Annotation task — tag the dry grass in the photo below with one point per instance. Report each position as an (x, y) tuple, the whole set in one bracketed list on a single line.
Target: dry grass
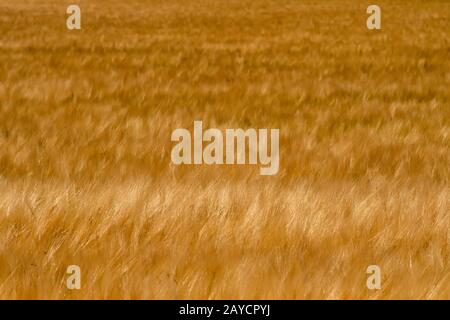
[(85, 173)]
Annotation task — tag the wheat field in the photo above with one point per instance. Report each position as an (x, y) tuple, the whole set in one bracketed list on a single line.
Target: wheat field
[(86, 177)]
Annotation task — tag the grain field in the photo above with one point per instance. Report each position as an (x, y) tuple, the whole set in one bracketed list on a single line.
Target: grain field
[(86, 176)]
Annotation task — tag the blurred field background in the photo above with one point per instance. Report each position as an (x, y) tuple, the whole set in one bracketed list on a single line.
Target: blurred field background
[(85, 171)]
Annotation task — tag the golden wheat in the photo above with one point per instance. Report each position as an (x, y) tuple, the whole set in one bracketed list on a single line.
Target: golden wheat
[(85, 170)]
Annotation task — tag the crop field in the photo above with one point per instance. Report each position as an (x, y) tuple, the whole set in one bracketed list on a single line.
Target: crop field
[(86, 176)]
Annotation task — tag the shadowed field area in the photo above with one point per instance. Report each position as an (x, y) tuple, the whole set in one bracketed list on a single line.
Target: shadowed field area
[(86, 176)]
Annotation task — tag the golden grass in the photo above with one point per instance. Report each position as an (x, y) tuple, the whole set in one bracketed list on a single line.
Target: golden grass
[(85, 172)]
